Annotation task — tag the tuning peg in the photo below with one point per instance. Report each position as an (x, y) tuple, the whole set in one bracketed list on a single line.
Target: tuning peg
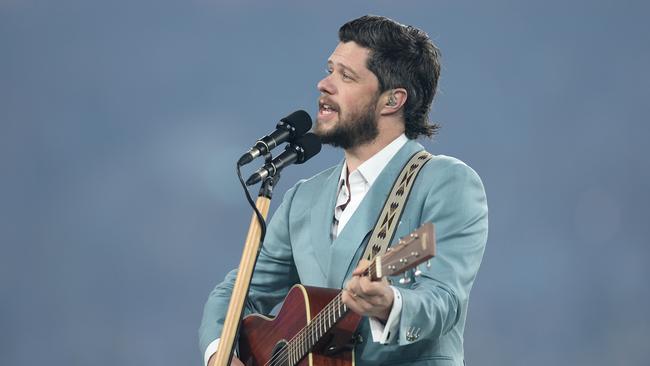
[(417, 272), (406, 279)]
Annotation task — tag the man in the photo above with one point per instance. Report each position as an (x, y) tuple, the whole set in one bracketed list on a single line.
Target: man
[(374, 101)]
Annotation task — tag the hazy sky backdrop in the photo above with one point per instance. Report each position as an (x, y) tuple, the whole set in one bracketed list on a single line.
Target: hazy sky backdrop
[(120, 122)]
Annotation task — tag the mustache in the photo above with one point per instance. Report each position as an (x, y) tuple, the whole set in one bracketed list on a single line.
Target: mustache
[(328, 101)]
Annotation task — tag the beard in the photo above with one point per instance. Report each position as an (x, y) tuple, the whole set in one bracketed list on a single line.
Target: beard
[(353, 131)]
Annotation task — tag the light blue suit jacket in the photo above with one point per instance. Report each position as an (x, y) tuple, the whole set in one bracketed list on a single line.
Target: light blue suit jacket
[(298, 249)]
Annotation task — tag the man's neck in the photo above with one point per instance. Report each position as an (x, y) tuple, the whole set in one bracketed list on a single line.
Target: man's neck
[(359, 154)]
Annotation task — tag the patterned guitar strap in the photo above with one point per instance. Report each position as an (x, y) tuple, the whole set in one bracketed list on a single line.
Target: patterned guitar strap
[(384, 230)]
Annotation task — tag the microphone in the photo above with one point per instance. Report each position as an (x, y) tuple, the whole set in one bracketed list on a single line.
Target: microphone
[(288, 129), (298, 152)]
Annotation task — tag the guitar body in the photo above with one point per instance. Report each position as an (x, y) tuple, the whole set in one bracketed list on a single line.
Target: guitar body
[(314, 327), (261, 336)]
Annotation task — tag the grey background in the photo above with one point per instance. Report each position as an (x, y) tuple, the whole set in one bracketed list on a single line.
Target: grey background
[(121, 121)]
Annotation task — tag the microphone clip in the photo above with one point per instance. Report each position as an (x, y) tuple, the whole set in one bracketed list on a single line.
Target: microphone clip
[(269, 182)]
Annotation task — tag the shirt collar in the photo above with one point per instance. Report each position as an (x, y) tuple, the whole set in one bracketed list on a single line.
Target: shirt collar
[(370, 169)]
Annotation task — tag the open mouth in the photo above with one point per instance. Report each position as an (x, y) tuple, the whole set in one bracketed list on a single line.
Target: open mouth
[(326, 109)]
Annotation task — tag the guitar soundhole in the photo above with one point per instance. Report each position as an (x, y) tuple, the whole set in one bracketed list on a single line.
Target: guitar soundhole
[(279, 355)]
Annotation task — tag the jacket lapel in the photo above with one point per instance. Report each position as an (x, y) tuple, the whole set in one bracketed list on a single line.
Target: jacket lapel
[(343, 249), (321, 217)]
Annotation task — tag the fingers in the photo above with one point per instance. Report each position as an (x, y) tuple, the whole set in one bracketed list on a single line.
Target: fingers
[(365, 288), (361, 268), (356, 303), (365, 297)]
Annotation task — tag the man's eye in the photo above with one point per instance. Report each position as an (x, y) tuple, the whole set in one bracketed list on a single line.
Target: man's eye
[(328, 71), (346, 76)]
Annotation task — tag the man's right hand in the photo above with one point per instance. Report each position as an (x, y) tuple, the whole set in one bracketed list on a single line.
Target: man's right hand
[(235, 361)]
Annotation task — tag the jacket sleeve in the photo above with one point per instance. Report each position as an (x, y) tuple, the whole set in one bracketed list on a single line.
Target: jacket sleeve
[(274, 275), (456, 204)]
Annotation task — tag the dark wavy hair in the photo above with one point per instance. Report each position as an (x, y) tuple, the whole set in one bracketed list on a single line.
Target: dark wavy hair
[(401, 56)]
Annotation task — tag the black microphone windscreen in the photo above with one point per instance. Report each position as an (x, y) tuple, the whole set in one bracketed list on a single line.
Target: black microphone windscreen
[(311, 146), (300, 121)]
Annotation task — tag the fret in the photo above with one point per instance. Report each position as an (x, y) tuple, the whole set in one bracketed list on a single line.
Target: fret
[(326, 320), (320, 329), (311, 339), (302, 350), (297, 350), (307, 341), (296, 353), (329, 318), (291, 361)]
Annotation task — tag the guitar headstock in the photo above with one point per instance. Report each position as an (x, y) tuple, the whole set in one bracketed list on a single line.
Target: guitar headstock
[(411, 250)]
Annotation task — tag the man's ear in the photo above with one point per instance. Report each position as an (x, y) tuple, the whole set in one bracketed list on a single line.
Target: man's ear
[(393, 100)]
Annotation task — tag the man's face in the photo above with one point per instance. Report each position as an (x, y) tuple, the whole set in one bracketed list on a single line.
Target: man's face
[(347, 107)]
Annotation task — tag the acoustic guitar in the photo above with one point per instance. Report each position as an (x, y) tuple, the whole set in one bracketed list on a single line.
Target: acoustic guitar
[(314, 327)]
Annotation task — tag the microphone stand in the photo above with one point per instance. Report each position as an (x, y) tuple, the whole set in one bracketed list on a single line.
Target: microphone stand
[(251, 251)]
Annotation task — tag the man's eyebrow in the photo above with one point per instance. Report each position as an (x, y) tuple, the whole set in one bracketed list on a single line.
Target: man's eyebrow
[(343, 66)]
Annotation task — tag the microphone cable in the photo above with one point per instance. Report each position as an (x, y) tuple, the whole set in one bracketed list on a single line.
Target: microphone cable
[(260, 218)]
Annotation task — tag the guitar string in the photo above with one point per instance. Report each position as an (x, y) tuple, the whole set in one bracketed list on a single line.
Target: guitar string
[(292, 347), (283, 355), (295, 349), (290, 350), (296, 344), (287, 350)]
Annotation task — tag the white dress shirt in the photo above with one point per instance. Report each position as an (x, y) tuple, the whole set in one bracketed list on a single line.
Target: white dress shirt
[(352, 190), (351, 193)]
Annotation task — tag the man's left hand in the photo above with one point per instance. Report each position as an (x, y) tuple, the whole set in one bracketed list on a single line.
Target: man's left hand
[(365, 297)]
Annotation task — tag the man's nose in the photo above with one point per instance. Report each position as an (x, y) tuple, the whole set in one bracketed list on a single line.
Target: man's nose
[(326, 86)]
